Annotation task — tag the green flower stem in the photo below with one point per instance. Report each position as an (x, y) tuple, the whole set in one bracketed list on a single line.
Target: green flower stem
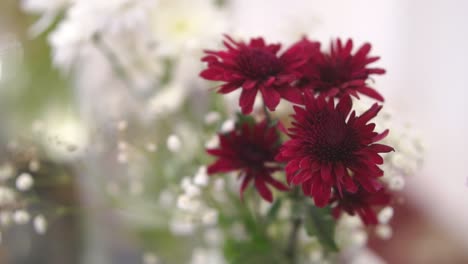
[(296, 223)]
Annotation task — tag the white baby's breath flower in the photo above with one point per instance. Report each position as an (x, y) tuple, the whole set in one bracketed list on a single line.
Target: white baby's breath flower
[(74, 37), (385, 215), (24, 182), (210, 217), (21, 217), (228, 125), (188, 203), (65, 136), (359, 238), (201, 177), (396, 183), (173, 143), (384, 231), (186, 25), (192, 190), (40, 224), (213, 142)]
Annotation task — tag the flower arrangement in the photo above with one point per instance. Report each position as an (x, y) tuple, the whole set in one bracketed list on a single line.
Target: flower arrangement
[(332, 153), (297, 161)]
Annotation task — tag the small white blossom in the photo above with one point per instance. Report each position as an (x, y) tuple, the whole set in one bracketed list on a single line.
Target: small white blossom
[(359, 238), (210, 217), (396, 183), (385, 215), (40, 224), (201, 177), (21, 217), (228, 125), (173, 143), (384, 231), (213, 142), (192, 190), (24, 182), (188, 203), (186, 25)]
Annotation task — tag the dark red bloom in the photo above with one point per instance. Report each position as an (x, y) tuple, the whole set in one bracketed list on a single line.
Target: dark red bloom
[(250, 149), (339, 72), (329, 149), (255, 67), (361, 202)]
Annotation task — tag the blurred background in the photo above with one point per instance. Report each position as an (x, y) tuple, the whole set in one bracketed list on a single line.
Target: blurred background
[(94, 136)]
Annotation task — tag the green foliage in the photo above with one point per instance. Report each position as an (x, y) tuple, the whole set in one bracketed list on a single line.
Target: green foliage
[(320, 223), (273, 211), (245, 119), (258, 249)]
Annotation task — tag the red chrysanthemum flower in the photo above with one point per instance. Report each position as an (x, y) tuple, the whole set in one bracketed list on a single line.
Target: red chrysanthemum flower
[(361, 202), (250, 149), (255, 67), (327, 149), (339, 72)]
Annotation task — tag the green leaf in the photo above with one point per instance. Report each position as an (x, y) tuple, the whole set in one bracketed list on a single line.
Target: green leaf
[(242, 119), (320, 223), (273, 211)]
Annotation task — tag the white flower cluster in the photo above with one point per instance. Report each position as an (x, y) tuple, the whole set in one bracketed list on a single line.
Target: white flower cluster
[(13, 208), (48, 9), (137, 37), (193, 209), (409, 148), (150, 46)]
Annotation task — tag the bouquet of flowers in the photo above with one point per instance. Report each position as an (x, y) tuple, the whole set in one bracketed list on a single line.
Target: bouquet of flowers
[(294, 159)]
